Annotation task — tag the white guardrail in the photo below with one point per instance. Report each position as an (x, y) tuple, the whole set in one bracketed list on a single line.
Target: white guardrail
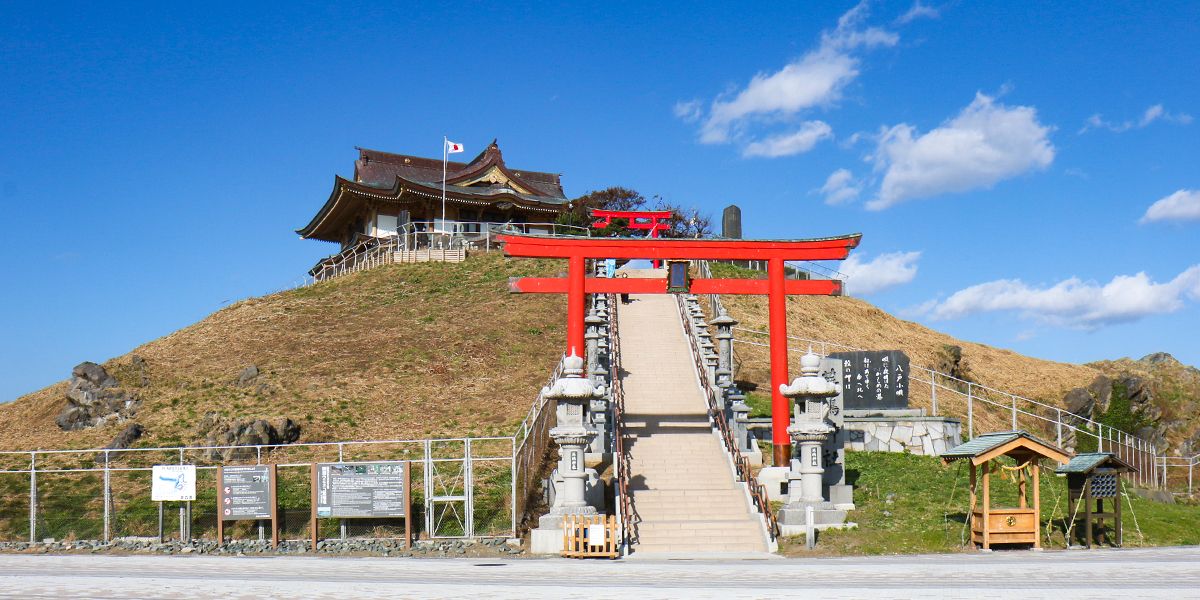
[(958, 398)]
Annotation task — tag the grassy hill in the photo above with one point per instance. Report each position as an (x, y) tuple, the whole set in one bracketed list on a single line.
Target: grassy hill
[(401, 351), (439, 349)]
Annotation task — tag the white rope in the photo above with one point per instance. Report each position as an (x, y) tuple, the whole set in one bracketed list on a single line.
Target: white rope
[(1129, 502)]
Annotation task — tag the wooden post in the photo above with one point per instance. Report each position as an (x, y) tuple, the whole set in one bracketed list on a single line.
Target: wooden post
[(312, 522), (1037, 504), (987, 502), (1022, 490), (408, 505), (1117, 514), (274, 507), (971, 513), (1087, 507), (220, 507)]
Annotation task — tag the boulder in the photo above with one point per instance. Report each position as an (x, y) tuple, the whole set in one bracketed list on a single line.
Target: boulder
[(247, 376), (218, 430), (94, 398), (127, 437)]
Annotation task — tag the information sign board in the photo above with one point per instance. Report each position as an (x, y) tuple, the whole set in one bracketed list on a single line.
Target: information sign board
[(362, 489), (173, 483), (874, 380), (245, 492)]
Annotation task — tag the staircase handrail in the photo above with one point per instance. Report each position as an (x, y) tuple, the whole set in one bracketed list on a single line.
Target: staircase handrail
[(622, 466), (758, 493)]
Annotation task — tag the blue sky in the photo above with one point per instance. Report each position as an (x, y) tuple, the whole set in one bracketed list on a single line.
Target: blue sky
[(1024, 175)]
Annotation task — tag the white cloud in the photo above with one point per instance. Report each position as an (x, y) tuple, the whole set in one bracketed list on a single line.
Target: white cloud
[(816, 78), (1073, 302), (985, 143), (880, 273), (1152, 114), (1183, 205), (840, 187), (797, 142), (918, 11), (690, 111)]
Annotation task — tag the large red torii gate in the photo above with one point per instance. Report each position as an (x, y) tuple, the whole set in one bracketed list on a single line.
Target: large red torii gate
[(775, 252)]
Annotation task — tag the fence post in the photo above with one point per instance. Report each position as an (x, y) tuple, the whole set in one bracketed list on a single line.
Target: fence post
[(469, 491), (1058, 425), (32, 497), (933, 390), (1191, 465), (1014, 412), (970, 413), (513, 476), (107, 499)]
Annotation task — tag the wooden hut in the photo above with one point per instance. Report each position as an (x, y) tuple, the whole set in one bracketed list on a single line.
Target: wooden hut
[(1092, 478), (1005, 525)]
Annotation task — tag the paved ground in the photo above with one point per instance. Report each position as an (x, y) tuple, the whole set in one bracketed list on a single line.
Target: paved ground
[(1159, 573)]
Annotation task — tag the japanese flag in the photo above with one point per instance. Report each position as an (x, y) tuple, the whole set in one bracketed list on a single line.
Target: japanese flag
[(452, 147)]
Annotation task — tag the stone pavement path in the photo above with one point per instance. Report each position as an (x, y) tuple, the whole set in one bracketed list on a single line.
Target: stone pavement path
[(684, 493), (1127, 574)]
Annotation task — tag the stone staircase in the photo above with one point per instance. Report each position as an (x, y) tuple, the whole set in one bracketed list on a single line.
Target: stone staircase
[(685, 496)]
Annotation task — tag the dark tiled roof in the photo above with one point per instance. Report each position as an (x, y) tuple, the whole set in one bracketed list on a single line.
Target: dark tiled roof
[(989, 441), (380, 169), (1087, 462)]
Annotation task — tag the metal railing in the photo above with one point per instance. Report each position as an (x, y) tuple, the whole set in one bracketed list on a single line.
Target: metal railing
[(972, 402), (422, 241), (744, 473), (466, 487), (1051, 421), (1177, 473), (622, 466)]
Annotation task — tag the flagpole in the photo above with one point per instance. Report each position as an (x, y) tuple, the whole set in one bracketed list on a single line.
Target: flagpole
[(445, 142)]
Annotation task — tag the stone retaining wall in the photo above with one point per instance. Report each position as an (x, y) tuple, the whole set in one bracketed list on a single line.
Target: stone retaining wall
[(929, 436)]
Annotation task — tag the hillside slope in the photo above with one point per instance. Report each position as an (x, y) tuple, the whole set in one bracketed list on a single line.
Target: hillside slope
[(401, 351), (857, 323)]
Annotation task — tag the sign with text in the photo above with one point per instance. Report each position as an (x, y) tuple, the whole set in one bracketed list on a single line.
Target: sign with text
[(245, 492), (173, 483), (874, 380), (362, 489)]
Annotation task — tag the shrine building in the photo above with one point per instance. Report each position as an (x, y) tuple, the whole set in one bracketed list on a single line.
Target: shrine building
[(391, 194)]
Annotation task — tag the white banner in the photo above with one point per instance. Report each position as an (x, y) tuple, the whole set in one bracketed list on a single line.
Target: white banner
[(173, 483)]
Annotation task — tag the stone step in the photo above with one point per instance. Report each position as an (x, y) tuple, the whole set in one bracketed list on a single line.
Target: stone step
[(743, 524), (672, 548)]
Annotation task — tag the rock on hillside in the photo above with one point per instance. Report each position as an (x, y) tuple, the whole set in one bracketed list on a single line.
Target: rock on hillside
[(398, 352), (1172, 395)]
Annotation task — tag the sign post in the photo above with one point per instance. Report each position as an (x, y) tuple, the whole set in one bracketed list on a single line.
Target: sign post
[(247, 493), (172, 483), (361, 490)]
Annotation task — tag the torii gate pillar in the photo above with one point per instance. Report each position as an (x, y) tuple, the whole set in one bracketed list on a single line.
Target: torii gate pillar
[(777, 319)]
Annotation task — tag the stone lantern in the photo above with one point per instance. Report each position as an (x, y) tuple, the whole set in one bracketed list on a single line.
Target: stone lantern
[(724, 325), (572, 393), (811, 427)]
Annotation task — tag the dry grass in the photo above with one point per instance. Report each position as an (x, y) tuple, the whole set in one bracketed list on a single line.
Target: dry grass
[(396, 352)]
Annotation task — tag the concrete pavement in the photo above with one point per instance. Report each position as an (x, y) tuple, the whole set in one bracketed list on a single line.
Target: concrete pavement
[(1139, 573)]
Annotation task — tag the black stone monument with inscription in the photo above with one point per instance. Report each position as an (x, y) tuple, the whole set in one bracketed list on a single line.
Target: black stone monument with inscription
[(876, 380)]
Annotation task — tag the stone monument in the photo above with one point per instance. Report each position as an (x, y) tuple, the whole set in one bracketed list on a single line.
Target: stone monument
[(809, 431), (572, 393), (731, 222)]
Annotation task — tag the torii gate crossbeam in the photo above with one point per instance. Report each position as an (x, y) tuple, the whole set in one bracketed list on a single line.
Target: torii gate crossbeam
[(775, 252)]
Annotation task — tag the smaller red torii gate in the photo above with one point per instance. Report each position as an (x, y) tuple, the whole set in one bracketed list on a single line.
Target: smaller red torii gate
[(776, 287), (653, 221)]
